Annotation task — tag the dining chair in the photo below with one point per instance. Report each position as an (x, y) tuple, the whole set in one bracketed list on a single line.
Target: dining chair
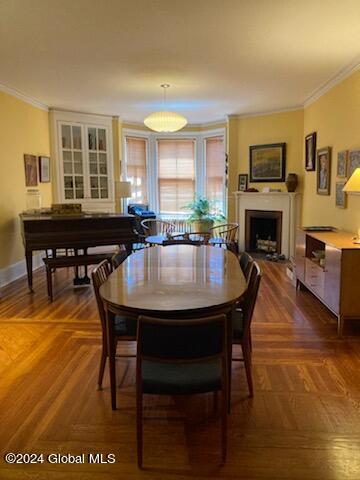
[(181, 357), (246, 263), (124, 327), (156, 227), (225, 235), (118, 258), (241, 322)]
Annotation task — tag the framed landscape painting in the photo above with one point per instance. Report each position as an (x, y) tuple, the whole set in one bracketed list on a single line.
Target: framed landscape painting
[(267, 162), (310, 151), (323, 170)]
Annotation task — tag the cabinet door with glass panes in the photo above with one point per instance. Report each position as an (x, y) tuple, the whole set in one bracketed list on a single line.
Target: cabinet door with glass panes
[(85, 162)]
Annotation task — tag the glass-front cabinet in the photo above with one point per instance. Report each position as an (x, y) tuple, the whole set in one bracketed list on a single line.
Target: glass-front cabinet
[(84, 160)]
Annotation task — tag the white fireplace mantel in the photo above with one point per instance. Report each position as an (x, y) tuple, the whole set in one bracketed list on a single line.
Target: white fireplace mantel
[(287, 203)]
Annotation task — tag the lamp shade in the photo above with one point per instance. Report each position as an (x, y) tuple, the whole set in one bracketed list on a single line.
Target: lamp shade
[(123, 189), (165, 121), (353, 184)]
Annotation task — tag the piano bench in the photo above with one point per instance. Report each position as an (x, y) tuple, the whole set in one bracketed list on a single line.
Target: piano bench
[(52, 263)]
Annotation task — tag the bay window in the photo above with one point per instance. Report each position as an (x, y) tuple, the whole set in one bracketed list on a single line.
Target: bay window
[(167, 171)]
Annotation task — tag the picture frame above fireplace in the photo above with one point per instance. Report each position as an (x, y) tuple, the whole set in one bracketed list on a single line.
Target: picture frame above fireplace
[(268, 162)]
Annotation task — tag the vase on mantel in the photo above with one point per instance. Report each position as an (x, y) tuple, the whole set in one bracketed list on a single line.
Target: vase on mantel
[(291, 182)]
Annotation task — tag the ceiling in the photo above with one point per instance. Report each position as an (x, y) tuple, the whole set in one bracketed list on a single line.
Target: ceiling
[(220, 56)]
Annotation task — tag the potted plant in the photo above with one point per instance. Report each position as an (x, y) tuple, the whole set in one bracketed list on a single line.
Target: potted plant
[(204, 214)]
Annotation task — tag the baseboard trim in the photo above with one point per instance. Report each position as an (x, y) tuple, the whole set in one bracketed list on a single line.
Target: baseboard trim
[(17, 270)]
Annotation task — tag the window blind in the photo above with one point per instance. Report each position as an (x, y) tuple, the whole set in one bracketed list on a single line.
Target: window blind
[(176, 174), (136, 168), (215, 169)]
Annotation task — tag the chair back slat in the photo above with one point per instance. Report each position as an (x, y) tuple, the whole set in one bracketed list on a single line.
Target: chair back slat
[(99, 275), (249, 302), (227, 231), (187, 340), (157, 227), (246, 263)]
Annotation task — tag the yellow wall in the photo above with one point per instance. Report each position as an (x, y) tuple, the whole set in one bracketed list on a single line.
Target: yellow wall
[(335, 117), (23, 129), (274, 128)]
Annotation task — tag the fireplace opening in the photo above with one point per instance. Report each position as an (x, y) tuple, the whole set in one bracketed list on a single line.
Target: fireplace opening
[(263, 231)]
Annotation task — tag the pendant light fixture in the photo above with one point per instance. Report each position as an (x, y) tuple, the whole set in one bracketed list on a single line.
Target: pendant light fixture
[(165, 121)]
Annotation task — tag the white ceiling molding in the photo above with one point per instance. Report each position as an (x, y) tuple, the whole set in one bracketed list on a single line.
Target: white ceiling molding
[(332, 82), (268, 112), (23, 97)]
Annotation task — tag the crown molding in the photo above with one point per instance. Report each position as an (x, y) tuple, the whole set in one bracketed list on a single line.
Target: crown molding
[(238, 116), (25, 98), (332, 82)]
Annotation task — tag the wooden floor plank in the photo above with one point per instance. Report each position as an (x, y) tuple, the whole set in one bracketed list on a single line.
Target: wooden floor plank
[(303, 422)]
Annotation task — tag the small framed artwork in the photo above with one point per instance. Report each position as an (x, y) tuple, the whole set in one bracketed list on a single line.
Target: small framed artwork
[(44, 169), (354, 161), (342, 159), (323, 170), (31, 176), (310, 152), (340, 197), (243, 182), (267, 162)]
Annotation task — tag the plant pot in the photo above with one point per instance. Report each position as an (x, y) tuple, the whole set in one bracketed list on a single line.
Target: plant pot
[(291, 182), (203, 226)]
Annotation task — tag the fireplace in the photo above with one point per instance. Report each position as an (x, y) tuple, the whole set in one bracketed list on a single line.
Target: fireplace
[(263, 231)]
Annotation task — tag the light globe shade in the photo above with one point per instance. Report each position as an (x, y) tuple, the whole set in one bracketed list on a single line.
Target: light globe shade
[(353, 184), (123, 189), (165, 121)]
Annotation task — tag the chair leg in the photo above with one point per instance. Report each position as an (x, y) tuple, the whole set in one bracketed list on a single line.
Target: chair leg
[(247, 361), (224, 413), (49, 283), (102, 367), (139, 427)]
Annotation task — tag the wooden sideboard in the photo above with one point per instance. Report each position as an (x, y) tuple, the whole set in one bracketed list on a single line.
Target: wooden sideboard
[(336, 284)]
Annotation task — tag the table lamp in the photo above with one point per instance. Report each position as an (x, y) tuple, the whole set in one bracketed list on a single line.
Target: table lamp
[(122, 191), (353, 186)]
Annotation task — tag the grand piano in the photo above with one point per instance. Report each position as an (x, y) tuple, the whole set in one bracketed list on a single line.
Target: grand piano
[(47, 231)]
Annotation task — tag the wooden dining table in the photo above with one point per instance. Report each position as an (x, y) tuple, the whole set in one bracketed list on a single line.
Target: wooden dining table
[(176, 281)]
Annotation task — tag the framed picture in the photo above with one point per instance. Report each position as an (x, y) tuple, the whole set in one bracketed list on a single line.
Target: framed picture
[(340, 197), (31, 177), (267, 162), (243, 182), (44, 169), (341, 169), (310, 151), (354, 161), (323, 171)]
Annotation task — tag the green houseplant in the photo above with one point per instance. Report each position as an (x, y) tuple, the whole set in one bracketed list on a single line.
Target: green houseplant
[(204, 214)]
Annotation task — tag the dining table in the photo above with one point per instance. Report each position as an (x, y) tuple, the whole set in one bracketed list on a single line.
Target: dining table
[(176, 281)]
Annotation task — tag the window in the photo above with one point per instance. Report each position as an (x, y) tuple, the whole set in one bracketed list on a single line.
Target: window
[(176, 174), (136, 168), (215, 170)]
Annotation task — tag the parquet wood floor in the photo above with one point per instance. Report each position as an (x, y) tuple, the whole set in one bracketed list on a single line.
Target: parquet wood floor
[(303, 422)]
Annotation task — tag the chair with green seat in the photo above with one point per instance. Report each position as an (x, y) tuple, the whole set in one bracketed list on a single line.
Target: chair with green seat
[(181, 357), (125, 327), (241, 319)]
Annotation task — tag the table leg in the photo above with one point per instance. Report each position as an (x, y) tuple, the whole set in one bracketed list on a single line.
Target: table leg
[(111, 353), (29, 264)]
